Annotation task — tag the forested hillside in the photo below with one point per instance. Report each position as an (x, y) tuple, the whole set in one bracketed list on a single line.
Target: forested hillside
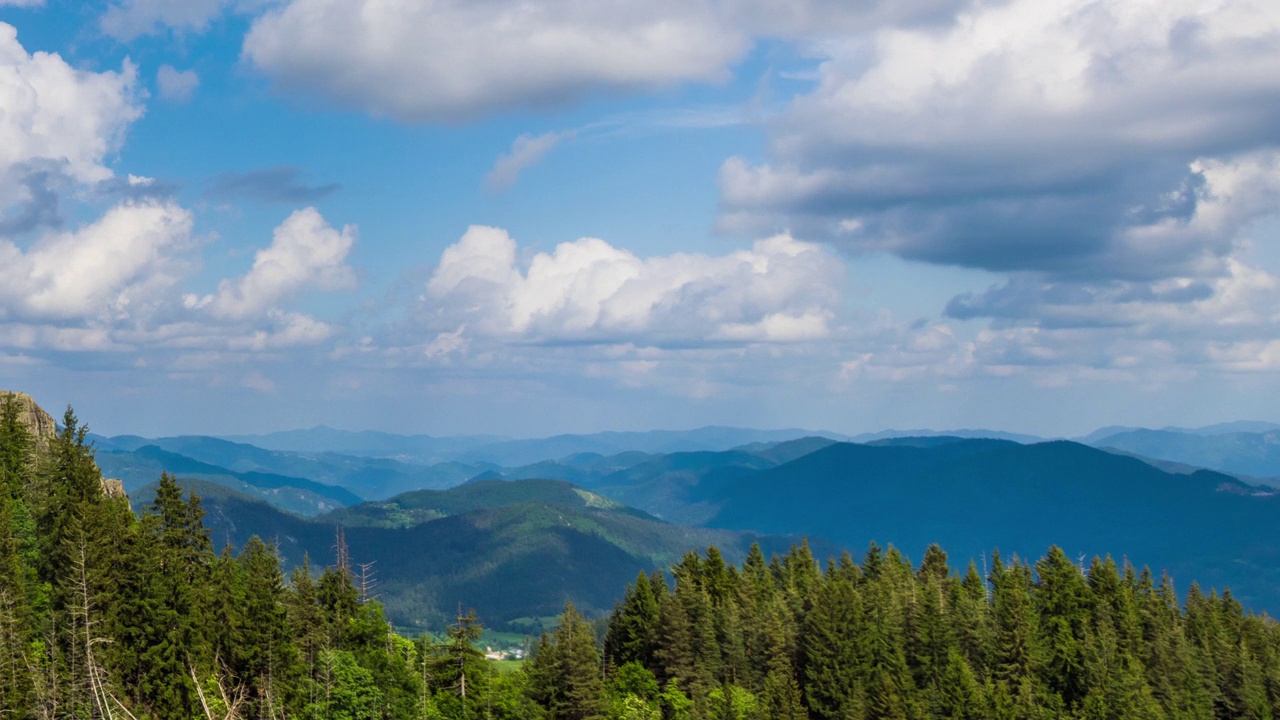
[(515, 551), (108, 614), (788, 639), (971, 496)]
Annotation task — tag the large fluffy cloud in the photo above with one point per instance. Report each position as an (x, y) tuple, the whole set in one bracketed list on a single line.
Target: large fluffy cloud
[(305, 252), (56, 117), (590, 291), (1203, 239), (451, 59), (1061, 136), (115, 284), (105, 270)]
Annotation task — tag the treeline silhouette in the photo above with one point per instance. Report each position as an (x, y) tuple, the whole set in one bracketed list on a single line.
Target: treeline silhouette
[(107, 614)]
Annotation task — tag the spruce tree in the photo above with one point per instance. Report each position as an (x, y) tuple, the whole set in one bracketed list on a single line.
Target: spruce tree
[(1062, 599), (633, 627), (1012, 619), (831, 665), (565, 671), (267, 659)]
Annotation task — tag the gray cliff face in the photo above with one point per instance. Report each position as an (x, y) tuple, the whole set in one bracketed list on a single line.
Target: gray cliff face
[(43, 428), (39, 422)]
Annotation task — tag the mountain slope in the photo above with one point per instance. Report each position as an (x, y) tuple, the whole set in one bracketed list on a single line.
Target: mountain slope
[(509, 556), (370, 478), (143, 466), (419, 506), (669, 486), (976, 495)]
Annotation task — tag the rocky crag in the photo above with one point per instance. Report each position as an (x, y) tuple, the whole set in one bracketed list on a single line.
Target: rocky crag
[(43, 428)]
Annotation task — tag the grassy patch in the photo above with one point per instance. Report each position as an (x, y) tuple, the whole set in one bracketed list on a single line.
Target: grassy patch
[(506, 667)]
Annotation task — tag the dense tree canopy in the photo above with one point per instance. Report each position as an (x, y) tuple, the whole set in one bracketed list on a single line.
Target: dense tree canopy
[(104, 614)]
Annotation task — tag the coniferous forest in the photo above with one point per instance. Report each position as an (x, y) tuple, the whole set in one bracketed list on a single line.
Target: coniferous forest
[(107, 614)]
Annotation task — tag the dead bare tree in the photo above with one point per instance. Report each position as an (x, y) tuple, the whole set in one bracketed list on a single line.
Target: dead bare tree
[(232, 700), (368, 581), (340, 549), (82, 617)]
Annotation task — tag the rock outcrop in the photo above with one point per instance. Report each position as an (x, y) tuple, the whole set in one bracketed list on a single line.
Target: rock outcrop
[(113, 488), (39, 422), (44, 428)]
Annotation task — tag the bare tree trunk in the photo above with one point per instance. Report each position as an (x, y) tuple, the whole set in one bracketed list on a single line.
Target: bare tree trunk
[(82, 612), (231, 702)]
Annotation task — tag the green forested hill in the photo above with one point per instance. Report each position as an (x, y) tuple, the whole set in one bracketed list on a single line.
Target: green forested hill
[(510, 549), (976, 495), (108, 614), (670, 486), (420, 506)]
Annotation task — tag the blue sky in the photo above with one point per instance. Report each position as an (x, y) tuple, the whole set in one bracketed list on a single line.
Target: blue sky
[(526, 218)]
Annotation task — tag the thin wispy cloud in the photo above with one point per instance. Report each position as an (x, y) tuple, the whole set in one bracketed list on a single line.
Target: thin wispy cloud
[(526, 151), (281, 184)]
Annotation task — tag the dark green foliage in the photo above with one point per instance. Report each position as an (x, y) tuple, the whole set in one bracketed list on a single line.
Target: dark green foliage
[(548, 552), (106, 614), (831, 650), (633, 629), (564, 674), (1050, 640), (16, 536), (972, 495)]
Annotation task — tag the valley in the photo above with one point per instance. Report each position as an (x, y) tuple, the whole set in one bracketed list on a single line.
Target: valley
[(586, 516)]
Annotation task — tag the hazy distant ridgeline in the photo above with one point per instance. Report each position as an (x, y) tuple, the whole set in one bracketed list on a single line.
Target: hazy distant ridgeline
[(492, 450), (376, 466), (972, 495), (1251, 453)]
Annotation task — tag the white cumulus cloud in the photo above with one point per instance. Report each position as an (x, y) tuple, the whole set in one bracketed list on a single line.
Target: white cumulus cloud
[(305, 252), (107, 270), (1025, 135), (453, 59), (54, 114), (779, 290)]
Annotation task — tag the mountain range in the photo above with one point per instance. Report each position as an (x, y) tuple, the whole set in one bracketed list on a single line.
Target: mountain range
[(1254, 453), (515, 551), (461, 518), (974, 496)]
